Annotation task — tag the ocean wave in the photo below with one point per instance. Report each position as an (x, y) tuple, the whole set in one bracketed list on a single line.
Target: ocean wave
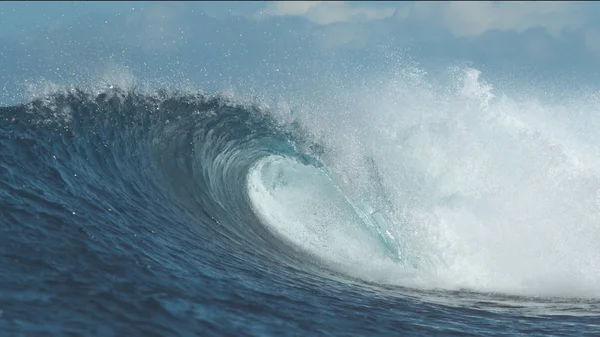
[(206, 187)]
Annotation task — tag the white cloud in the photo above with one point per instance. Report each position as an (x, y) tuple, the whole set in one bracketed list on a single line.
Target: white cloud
[(460, 18), (475, 18), (292, 7), (327, 12)]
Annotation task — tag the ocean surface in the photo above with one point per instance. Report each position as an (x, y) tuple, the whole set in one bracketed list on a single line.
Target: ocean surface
[(130, 213)]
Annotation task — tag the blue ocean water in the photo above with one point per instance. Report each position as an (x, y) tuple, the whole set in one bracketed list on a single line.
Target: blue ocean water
[(125, 213)]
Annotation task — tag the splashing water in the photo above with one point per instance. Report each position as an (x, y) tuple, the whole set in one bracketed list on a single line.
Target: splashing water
[(479, 190)]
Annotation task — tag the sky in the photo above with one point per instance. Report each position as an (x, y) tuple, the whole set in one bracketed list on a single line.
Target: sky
[(285, 44)]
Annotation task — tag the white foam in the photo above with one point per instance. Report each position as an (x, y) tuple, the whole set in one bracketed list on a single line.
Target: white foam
[(492, 192)]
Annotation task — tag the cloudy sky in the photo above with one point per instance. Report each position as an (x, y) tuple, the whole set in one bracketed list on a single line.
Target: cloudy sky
[(282, 44)]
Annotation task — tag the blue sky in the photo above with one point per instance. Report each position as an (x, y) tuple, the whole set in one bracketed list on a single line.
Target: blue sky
[(288, 43)]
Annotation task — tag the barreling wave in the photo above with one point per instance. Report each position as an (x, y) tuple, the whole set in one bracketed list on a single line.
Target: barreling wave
[(206, 180)]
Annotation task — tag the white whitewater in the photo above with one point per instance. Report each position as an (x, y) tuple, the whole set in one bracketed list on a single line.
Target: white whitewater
[(480, 190)]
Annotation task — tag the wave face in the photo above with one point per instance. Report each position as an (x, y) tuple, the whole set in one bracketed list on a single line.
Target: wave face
[(187, 213)]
